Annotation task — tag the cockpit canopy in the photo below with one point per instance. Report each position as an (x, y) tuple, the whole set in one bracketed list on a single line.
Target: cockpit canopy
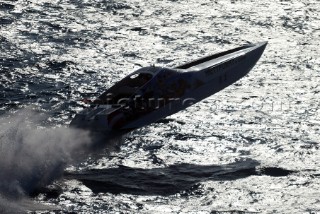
[(130, 85)]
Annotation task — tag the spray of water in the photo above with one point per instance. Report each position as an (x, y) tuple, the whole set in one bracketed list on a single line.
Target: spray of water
[(32, 156)]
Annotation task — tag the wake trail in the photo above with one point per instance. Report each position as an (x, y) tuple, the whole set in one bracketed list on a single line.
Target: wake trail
[(33, 156)]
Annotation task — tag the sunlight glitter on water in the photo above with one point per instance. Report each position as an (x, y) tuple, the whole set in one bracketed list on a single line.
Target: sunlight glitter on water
[(86, 46)]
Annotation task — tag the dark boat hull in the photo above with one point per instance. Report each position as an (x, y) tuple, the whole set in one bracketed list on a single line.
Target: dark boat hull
[(172, 89), (221, 77)]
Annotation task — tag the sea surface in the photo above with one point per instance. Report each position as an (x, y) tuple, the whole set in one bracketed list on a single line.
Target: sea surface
[(251, 148)]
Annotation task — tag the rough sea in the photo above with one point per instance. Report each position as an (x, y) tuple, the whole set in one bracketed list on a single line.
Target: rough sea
[(251, 148)]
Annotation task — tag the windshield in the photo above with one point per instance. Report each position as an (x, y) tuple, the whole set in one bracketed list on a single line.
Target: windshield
[(124, 89)]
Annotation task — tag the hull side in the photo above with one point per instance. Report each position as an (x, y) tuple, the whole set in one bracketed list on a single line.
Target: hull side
[(218, 80)]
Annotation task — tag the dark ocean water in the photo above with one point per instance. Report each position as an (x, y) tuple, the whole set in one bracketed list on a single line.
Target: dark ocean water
[(251, 148)]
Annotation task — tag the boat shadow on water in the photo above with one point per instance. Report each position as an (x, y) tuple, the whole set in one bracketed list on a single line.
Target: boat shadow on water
[(184, 179)]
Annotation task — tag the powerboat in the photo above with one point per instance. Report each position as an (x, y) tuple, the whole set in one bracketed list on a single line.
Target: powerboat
[(152, 93)]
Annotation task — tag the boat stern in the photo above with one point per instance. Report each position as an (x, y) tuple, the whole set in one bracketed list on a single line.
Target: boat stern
[(99, 118)]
